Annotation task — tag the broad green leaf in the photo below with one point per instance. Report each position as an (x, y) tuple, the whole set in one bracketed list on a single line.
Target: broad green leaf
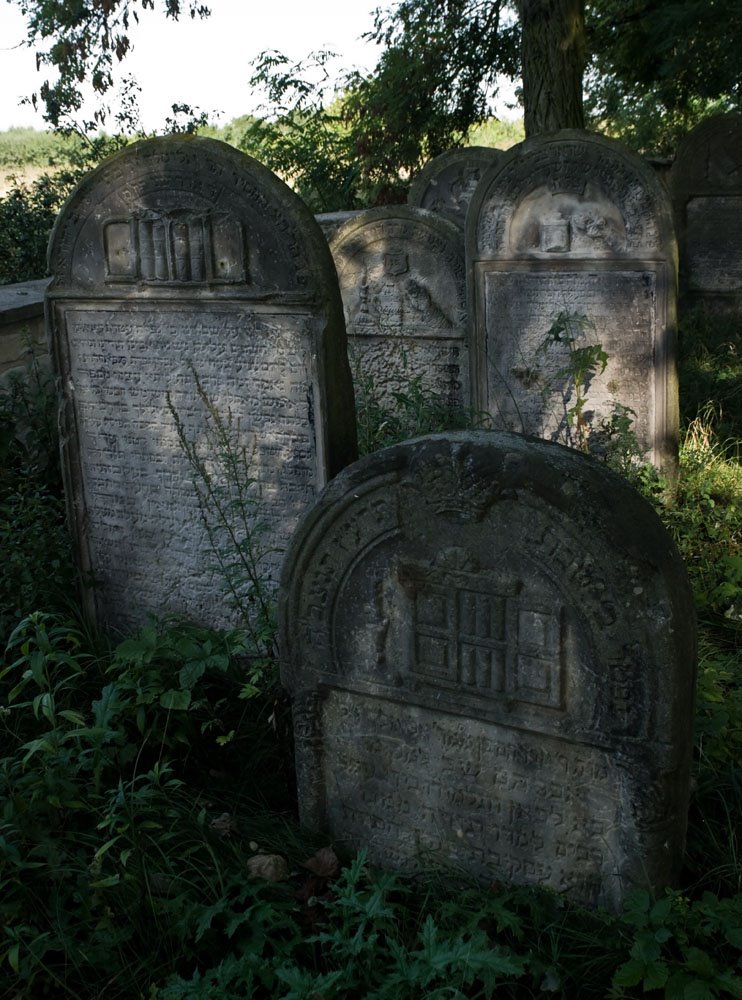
[(630, 973), (191, 673), (175, 701), (697, 989)]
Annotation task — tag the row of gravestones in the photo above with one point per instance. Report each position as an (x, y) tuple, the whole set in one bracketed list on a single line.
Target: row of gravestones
[(704, 185), (569, 245), (489, 640)]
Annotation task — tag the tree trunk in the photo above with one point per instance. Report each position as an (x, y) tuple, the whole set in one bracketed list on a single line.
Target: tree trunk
[(553, 56)]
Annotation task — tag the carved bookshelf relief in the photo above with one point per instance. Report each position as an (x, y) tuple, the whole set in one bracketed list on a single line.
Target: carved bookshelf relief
[(473, 630), (175, 248)]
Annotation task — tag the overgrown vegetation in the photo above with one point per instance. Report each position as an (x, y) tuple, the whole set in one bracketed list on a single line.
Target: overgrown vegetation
[(148, 844), (29, 209)]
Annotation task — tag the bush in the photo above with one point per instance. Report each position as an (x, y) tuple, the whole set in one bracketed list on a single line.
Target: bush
[(37, 555)]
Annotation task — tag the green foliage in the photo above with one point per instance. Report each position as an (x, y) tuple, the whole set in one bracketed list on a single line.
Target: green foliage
[(228, 489), (304, 139), (28, 211), (704, 514), (106, 832), (27, 147), (82, 42), (496, 134), (681, 949), (386, 415), (27, 214), (36, 566), (710, 362), (438, 67), (659, 66), (612, 440), (584, 362)]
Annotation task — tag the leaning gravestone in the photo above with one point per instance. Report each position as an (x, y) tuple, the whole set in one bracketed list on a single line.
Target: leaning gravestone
[(490, 645), (182, 259), (447, 183), (403, 284), (706, 187), (570, 242)]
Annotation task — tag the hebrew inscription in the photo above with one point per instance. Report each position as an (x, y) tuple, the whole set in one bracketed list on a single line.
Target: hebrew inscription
[(425, 785), (145, 533), (571, 239), (530, 379), (487, 643), (190, 286)]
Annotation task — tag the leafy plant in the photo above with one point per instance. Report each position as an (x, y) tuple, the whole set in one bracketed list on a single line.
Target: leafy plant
[(37, 557), (386, 414), (681, 948), (226, 483)]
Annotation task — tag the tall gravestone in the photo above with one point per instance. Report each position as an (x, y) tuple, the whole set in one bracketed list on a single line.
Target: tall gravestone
[(570, 245), (402, 279), (181, 259), (490, 645), (447, 183), (706, 187)]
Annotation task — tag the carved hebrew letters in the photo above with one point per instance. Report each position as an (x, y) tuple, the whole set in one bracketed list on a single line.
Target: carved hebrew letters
[(573, 233), (162, 306), (489, 661)]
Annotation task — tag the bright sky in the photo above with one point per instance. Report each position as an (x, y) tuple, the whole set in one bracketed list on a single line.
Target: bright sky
[(205, 63)]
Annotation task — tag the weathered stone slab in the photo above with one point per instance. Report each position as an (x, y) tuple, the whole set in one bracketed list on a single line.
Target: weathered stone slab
[(21, 324), (706, 186), (447, 183), (573, 229), (403, 284), (180, 258), (490, 645)]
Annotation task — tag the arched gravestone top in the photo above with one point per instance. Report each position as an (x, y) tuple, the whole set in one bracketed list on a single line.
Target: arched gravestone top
[(446, 184), (232, 227), (572, 224), (570, 194), (403, 282), (177, 259), (490, 645), (706, 188)]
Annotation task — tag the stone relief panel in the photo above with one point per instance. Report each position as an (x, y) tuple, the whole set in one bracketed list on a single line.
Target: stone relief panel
[(172, 293), (483, 633), (156, 247), (402, 280), (571, 242)]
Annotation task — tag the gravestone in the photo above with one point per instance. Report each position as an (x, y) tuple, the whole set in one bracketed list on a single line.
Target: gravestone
[(490, 646), (181, 259), (447, 183), (706, 186), (403, 283), (570, 242)]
